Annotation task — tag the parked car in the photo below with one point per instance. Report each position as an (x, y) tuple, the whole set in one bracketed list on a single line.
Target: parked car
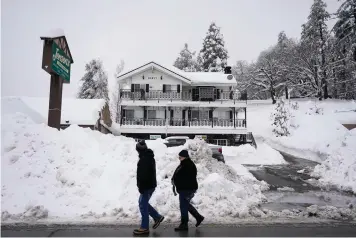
[(181, 140)]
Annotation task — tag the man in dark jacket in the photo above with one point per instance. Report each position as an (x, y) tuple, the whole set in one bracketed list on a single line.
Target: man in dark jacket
[(146, 183), (185, 180)]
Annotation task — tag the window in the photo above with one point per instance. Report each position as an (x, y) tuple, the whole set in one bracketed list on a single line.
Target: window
[(195, 115), (151, 114), (129, 114), (204, 115), (206, 93), (170, 87), (138, 87), (177, 141)]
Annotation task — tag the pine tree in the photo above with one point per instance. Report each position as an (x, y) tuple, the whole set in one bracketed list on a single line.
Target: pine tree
[(115, 94), (213, 54), (315, 34), (95, 82), (344, 60), (187, 61), (281, 119), (345, 27)]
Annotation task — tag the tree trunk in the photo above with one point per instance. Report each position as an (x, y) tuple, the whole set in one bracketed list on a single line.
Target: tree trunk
[(272, 96), (323, 65)]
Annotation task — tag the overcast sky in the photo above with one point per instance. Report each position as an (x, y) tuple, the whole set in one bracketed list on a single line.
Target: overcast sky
[(135, 31)]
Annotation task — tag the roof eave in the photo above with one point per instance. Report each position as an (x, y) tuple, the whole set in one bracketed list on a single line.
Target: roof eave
[(134, 71), (214, 84)]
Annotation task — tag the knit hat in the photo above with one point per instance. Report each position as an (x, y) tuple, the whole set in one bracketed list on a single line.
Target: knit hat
[(184, 153), (141, 146)]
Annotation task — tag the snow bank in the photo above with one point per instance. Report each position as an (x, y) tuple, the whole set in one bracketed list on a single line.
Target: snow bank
[(53, 33), (247, 154), (80, 175), (340, 166), (74, 111), (318, 135)]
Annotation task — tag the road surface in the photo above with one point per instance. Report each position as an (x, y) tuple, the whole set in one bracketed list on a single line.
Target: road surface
[(298, 192), (286, 230)]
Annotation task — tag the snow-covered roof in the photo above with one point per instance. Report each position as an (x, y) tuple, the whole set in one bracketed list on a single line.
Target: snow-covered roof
[(74, 111), (54, 33), (192, 78), (211, 78), (172, 71)]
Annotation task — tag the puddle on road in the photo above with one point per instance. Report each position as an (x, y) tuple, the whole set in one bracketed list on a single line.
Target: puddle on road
[(278, 201)]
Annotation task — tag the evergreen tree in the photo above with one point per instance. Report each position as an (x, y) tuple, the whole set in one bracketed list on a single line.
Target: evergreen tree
[(115, 99), (315, 34), (344, 51), (186, 61), (345, 27), (213, 54), (281, 119), (95, 82)]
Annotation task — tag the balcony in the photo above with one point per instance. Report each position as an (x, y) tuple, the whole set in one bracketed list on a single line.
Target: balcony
[(213, 95), (219, 123)]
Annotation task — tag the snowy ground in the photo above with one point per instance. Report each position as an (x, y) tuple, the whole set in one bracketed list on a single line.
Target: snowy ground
[(246, 154), (79, 175), (317, 136), (82, 176)]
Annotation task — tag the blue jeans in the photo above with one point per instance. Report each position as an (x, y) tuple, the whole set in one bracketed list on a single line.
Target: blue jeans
[(184, 204), (146, 209)]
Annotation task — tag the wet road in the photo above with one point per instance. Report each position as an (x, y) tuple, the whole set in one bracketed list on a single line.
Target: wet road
[(286, 175), (278, 230), (290, 188)]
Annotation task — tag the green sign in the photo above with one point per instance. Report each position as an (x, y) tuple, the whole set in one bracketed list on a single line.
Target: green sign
[(60, 63), (154, 137)]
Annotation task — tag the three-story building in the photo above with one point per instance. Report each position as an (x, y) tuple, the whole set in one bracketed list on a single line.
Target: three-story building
[(158, 101)]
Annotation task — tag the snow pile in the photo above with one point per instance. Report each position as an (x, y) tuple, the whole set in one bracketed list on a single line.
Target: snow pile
[(340, 166), (53, 33), (74, 111), (318, 135), (313, 211), (247, 154), (317, 124), (82, 175)]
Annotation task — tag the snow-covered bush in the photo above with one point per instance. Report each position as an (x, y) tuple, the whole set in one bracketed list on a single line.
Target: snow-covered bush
[(281, 119), (295, 105), (315, 110)]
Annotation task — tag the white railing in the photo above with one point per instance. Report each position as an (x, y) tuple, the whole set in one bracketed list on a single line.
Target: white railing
[(238, 123)]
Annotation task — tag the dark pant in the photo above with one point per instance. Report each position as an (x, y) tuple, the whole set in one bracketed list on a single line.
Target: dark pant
[(184, 203), (146, 209)]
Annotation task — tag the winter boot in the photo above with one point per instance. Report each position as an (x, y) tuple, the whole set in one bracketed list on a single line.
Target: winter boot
[(182, 227), (196, 215), (158, 222), (200, 219), (141, 231)]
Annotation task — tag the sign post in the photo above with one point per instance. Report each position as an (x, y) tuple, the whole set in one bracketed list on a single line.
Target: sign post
[(56, 61)]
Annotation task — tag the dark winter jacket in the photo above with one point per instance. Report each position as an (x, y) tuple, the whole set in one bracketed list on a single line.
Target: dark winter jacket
[(146, 171), (185, 176)]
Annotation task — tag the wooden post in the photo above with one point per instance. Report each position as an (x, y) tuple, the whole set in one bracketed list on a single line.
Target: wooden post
[(55, 102), (144, 115), (234, 117), (245, 117)]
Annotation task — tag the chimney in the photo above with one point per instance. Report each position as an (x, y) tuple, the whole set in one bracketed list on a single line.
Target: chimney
[(227, 70)]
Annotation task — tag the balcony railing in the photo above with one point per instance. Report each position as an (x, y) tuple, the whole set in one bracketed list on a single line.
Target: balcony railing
[(238, 123), (216, 95)]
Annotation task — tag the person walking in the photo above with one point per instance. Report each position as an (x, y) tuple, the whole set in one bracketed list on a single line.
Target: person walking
[(185, 180), (146, 183)]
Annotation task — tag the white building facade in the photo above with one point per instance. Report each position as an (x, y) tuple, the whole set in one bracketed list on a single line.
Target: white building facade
[(158, 101)]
